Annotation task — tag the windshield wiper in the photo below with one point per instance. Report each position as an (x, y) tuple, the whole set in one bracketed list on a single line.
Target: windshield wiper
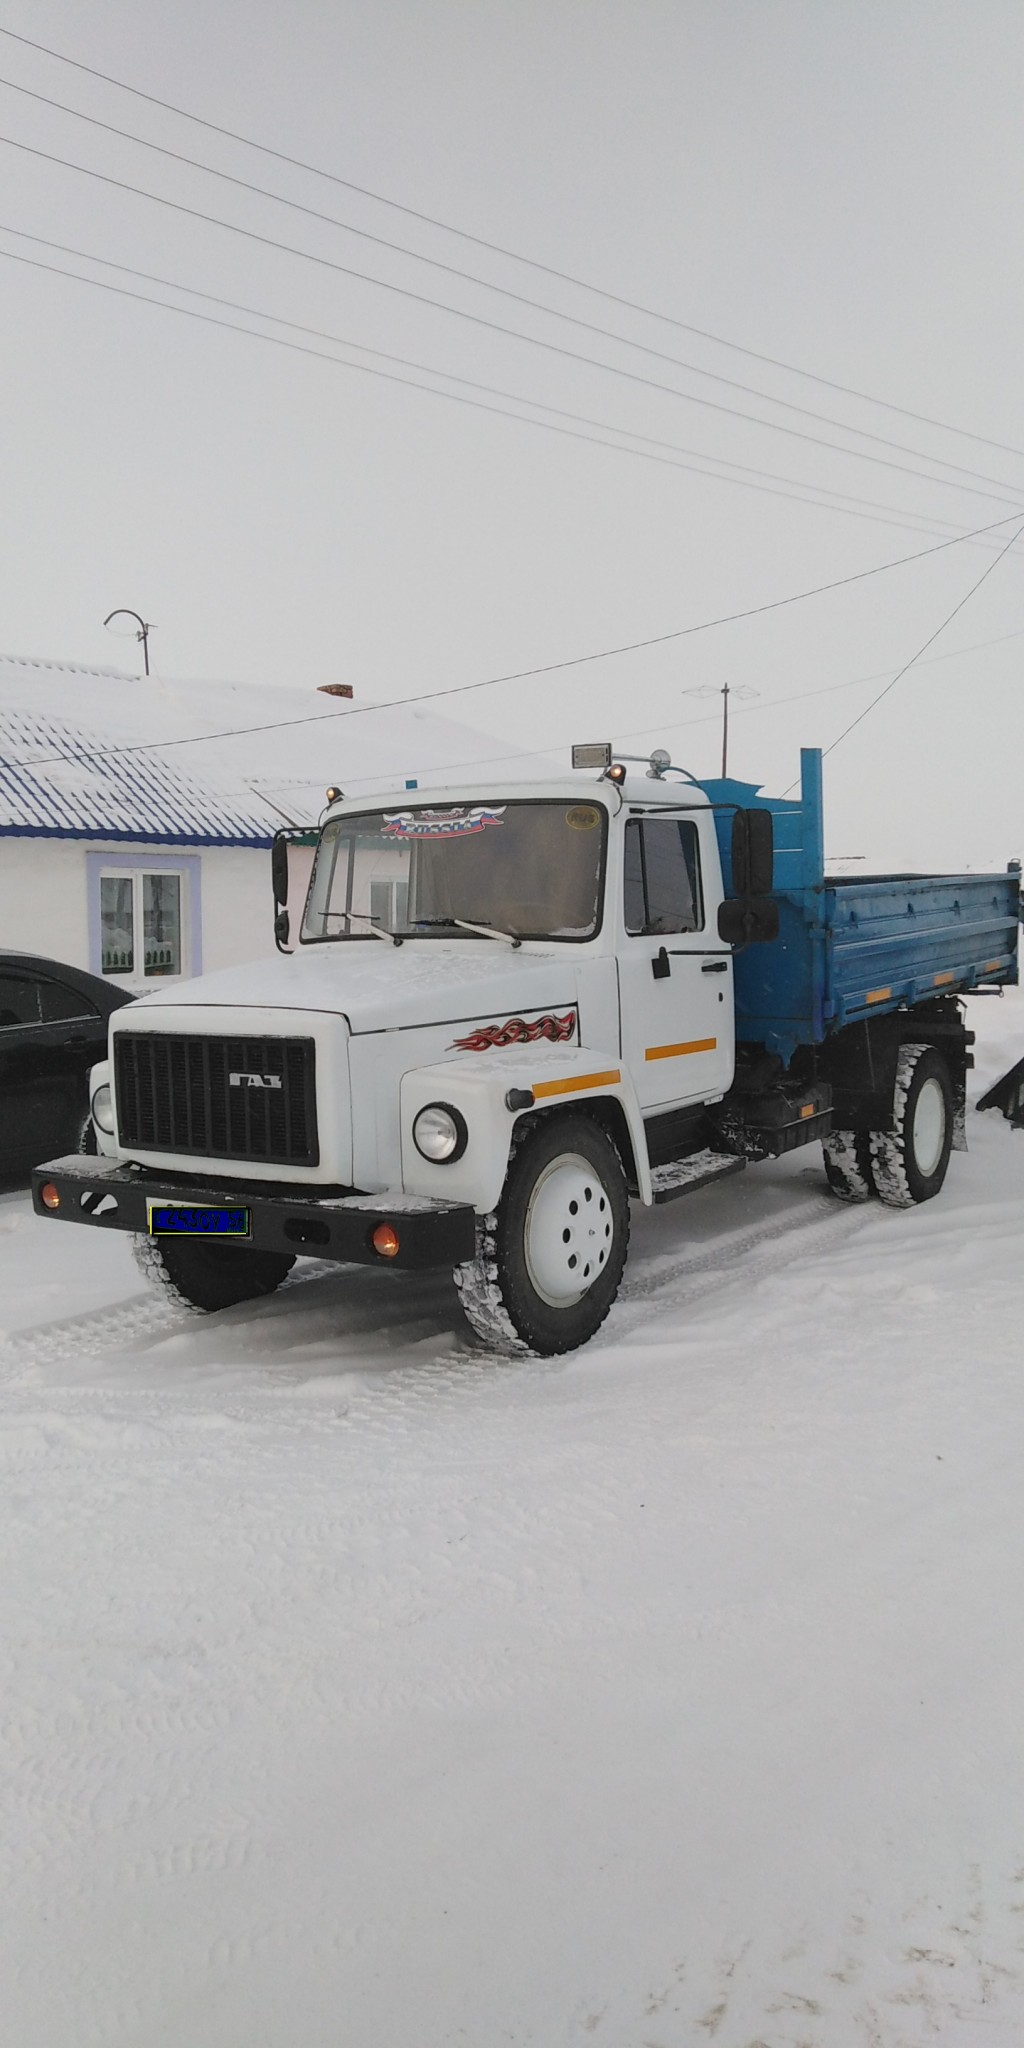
[(380, 931), (462, 924), (487, 931)]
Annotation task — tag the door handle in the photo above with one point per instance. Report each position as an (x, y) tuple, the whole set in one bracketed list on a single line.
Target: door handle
[(714, 966)]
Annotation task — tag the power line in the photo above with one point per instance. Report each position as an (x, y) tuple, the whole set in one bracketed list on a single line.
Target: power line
[(545, 668), (666, 725), (504, 291), (986, 572), (892, 515), (513, 255), (497, 327)]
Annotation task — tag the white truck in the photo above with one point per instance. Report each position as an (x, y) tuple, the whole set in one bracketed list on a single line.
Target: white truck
[(511, 1012)]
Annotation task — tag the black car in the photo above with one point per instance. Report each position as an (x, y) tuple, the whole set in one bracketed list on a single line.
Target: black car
[(53, 1028)]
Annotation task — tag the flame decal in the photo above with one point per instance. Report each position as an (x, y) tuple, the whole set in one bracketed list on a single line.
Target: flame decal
[(518, 1032)]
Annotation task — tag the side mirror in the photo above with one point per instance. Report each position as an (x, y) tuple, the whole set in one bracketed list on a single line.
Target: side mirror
[(279, 867), (753, 853), (748, 920), (282, 927)]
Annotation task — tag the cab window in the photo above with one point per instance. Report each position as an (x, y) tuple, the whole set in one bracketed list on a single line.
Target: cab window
[(662, 877)]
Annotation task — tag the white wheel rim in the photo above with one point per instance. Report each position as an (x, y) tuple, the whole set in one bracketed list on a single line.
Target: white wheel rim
[(568, 1232), (929, 1134)]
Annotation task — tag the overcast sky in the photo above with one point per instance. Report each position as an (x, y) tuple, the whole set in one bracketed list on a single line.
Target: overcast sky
[(834, 186)]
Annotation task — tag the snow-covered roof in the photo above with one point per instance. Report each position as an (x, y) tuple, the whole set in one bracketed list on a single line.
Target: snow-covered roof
[(97, 753)]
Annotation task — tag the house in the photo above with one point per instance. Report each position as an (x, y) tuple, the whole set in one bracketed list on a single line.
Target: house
[(136, 815)]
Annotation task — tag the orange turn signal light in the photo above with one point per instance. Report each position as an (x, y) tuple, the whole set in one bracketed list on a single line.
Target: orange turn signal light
[(384, 1240), (49, 1196)]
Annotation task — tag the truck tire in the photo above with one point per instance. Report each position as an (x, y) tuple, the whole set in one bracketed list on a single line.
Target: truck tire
[(848, 1165), (909, 1162), (550, 1260), (209, 1276)]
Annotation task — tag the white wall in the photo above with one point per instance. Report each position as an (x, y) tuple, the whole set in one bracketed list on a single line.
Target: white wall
[(44, 904)]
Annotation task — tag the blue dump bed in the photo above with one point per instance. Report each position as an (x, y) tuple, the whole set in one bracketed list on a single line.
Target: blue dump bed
[(853, 949)]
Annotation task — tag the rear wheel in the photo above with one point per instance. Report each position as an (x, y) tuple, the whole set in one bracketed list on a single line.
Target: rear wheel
[(848, 1166), (909, 1162), (209, 1276), (550, 1260)]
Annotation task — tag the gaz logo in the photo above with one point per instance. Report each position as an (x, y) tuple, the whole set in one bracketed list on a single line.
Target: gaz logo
[(255, 1081)]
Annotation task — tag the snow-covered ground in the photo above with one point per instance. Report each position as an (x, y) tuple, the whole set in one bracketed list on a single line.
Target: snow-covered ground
[(362, 1691)]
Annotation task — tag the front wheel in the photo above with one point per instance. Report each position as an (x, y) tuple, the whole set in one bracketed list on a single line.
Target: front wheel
[(909, 1162), (549, 1262), (209, 1276)]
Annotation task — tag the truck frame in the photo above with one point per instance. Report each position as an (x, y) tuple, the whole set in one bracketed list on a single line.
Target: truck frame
[(511, 1013)]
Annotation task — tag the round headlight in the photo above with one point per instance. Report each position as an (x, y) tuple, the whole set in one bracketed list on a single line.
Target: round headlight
[(103, 1109), (439, 1133)]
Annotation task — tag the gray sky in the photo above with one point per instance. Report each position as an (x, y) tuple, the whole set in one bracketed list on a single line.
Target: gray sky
[(837, 186)]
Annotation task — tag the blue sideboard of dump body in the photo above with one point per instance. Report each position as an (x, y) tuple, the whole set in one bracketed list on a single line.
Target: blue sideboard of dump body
[(853, 949)]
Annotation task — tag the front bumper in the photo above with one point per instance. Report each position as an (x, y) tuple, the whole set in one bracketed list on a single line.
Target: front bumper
[(112, 1196)]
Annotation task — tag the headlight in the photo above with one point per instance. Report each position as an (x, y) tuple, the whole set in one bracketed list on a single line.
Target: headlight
[(439, 1133), (103, 1109)]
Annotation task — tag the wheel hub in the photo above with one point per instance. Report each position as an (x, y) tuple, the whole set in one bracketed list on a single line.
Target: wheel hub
[(929, 1127), (568, 1233)]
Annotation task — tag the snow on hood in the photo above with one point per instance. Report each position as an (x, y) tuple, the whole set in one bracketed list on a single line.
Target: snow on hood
[(378, 987)]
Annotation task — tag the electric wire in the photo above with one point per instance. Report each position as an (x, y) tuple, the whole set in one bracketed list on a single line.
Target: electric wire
[(995, 496), (891, 515), (868, 708), (504, 291), (666, 725), (544, 668), (513, 255)]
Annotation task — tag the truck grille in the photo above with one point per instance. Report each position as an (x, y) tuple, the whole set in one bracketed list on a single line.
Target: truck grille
[(217, 1096)]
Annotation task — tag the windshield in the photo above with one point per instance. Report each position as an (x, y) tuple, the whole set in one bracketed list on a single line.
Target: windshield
[(528, 869)]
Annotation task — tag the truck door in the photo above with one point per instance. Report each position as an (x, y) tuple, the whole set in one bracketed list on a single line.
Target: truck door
[(675, 975)]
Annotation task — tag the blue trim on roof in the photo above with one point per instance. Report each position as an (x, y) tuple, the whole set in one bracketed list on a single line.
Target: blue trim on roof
[(134, 838)]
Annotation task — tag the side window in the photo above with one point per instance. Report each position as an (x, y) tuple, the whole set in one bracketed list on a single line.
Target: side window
[(117, 924), (161, 923), (662, 877), (58, 1002), (141, 923), (19, 1001)]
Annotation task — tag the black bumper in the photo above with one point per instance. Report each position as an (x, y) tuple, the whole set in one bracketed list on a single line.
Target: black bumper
[(115, 1197)]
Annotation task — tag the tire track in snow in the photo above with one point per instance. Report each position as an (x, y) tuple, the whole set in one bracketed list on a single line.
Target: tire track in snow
[(656, 1285)]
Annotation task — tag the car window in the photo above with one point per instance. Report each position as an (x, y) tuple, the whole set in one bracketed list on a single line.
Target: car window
[(57, 1001), (662, 892), (19, 1001)]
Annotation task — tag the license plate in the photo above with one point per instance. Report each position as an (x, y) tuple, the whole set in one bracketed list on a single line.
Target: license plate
[(181, 1219)]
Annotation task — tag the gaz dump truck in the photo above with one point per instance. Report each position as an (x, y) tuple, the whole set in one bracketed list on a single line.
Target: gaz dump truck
[(511, 1013)]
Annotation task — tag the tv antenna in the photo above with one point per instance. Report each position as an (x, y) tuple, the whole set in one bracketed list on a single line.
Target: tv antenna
[(726, 691)]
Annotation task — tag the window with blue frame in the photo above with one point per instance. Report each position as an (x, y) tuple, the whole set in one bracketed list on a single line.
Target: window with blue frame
[(141, 920)]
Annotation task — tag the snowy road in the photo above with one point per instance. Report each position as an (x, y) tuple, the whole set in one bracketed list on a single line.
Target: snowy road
[(360, 1689)]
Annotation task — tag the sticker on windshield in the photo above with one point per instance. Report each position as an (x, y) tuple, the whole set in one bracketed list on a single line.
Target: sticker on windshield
[(454, 824), (582, 817)]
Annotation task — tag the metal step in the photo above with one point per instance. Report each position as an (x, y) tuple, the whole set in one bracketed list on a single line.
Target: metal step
[(683, 1176)]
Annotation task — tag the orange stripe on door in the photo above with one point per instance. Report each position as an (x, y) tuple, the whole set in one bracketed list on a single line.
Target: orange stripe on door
[(676, 1052)]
